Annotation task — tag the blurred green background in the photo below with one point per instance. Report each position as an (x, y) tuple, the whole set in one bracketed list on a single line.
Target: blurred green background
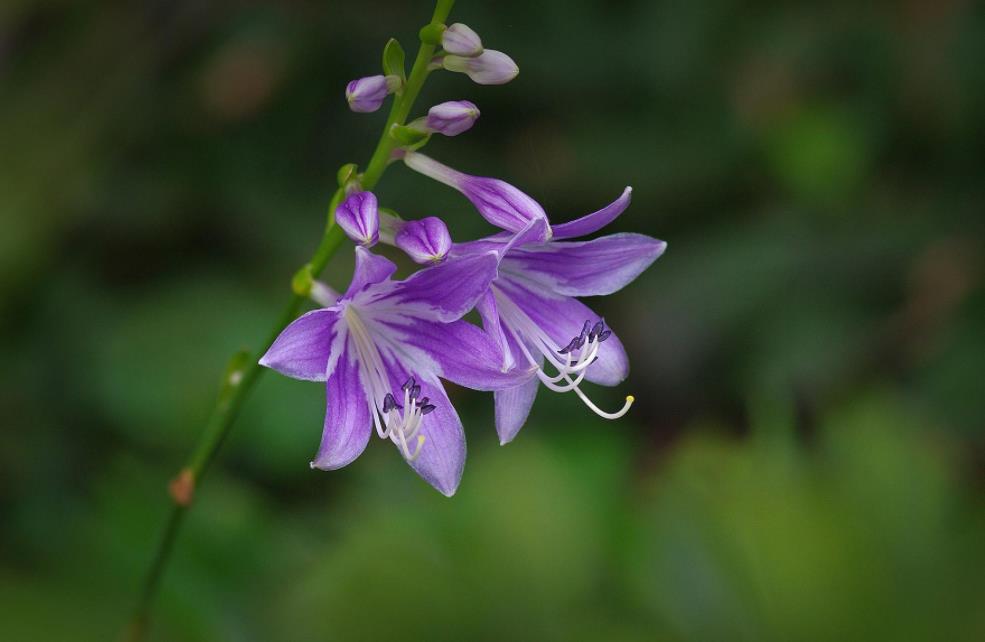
[(806, 458)]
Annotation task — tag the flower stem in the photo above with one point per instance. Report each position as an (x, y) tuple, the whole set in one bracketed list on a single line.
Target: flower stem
[(243, 371)]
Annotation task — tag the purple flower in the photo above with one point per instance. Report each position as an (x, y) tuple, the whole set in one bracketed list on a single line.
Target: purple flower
[(497, 201), (452, 118), (490, 68), (424, 241), (367, 94), (460, 40), (532, 312), (358, 216), (381, 348)]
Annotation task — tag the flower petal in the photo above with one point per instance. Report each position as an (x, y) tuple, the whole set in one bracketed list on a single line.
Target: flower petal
[(370, 269), (442, 457), (489, 313), (302, 349), (587, 268), (596, 220), (562, 318), (513, 405), (348, 423), (457, 351), (512, 409), (444, 292)]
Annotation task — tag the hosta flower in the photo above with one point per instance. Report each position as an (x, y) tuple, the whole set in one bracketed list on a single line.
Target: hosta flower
[(532, 311), (498, 202), (381, 348)]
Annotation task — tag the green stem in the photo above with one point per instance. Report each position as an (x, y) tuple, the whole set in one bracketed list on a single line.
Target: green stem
[(243, 371)]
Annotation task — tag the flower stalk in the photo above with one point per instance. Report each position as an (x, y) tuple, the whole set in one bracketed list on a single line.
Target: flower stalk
[(243, 370)]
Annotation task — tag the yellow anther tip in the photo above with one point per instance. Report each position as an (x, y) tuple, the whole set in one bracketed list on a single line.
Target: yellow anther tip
[(630, 398)]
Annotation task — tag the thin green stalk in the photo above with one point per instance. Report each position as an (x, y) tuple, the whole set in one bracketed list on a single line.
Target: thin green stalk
[(243, 371)]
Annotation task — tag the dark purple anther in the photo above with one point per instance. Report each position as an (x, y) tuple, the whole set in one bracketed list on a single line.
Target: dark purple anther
[(389, 403), (427, 409), (408, 384), (573, 345), (596, 330), (415, 391), (605, 335), (585, 329)]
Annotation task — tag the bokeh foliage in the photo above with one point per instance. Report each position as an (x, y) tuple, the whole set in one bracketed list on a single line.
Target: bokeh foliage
[(805, 459)]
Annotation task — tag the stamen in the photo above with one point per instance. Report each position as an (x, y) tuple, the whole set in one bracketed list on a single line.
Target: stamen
[(596, 330), (586, 343), (403, 422)]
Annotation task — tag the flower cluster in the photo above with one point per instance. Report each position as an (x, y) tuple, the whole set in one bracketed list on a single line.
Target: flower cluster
[(383, 347)]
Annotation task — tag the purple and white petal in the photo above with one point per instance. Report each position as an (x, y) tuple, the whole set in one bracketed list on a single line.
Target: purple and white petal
[(596, 220), (370, 269), (491, 322), (303, 348), (561, 318), (358, 216), (512, 409), (442, 457), (424, 241), (513, 405), (458, 351), (441, 293), (348, 423), (588, 268)]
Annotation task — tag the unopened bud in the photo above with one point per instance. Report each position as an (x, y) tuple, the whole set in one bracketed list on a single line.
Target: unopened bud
[(452, 118), (424, 241), (460, 40), (491, 68), (359, 218), (367, 94)]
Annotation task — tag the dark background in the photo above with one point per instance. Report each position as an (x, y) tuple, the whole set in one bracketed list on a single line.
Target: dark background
[(805, 458)]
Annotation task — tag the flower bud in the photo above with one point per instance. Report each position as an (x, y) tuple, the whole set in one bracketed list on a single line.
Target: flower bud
[(424, 241), (367, 94), (460, 40), (452, 118), (491, 68), (358, 216)]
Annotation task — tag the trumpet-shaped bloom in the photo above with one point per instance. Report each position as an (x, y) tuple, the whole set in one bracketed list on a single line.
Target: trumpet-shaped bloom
[(381, 350), (532, 313), (498, 202)]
